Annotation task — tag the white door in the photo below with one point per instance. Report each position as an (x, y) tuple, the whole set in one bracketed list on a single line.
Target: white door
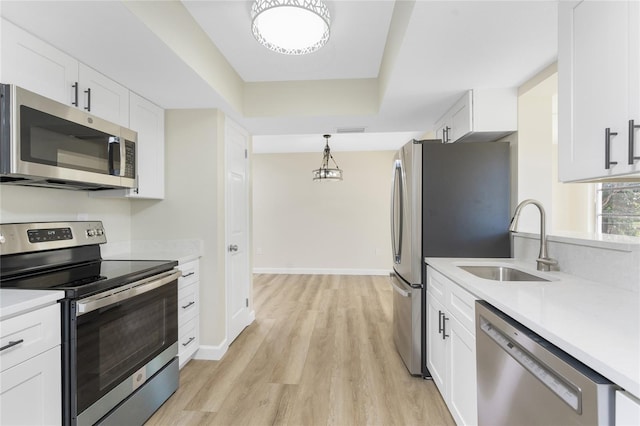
[(237, 230)]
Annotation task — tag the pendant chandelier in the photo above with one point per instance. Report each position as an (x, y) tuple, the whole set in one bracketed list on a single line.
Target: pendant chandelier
[(325, 173), (291, 27)]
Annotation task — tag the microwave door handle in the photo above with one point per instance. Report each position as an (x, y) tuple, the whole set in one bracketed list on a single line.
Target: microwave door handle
[(114, 149), (123, 157)]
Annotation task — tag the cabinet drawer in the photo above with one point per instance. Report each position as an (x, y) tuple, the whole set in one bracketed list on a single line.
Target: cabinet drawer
[(190, 274), (38, 332), (436, 284), (188, 336), (461, 304), (187, 303)]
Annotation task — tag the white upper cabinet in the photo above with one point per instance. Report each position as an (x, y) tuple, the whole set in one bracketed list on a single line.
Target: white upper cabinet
[(147, 120), (34, 65), (480, 116), (103, 97), (39, 67), (598, 90)]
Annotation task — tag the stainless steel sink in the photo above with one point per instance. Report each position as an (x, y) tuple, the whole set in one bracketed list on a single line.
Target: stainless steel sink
[(501, 273)]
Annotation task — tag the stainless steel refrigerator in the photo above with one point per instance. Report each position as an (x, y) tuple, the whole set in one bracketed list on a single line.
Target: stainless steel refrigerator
[(448, 200)]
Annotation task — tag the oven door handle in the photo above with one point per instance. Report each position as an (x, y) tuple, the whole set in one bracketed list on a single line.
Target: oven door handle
[(126, 292)]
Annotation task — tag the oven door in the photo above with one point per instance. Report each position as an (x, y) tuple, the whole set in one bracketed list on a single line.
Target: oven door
[(123, 337)]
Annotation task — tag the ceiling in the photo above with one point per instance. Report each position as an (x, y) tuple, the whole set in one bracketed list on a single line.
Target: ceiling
[(390, 67)]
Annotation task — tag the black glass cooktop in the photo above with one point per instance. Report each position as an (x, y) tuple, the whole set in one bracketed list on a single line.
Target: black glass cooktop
[(88, 278)]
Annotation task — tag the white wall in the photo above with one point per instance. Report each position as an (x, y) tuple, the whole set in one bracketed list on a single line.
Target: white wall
[(193, 207), (301, 226), (569, 207), (535, 154), (31, 204)]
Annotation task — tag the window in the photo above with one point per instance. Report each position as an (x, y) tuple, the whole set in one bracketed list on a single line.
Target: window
[(619, 208)]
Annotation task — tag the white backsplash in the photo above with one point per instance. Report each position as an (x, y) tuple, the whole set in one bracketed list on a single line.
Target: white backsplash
[(180, 250), (610, 260)]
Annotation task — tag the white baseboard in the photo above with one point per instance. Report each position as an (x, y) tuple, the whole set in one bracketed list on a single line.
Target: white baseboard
[(215, 353), (212, 353), (310, 271)]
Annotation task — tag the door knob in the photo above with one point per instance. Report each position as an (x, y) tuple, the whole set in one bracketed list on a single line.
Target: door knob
[(233, 247)]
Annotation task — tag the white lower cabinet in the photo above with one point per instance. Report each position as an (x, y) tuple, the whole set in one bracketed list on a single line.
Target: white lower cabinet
[(188, 310), (627, 410), (30, 392), (451, 346), (30, 379)]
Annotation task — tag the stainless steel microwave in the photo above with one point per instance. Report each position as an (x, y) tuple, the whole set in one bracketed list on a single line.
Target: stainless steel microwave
[(46, 143)]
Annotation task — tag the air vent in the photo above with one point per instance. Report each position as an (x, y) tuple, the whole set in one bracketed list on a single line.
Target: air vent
[(350, 130)]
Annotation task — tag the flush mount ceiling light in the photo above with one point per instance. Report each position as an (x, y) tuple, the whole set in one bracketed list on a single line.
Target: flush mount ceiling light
[(325, 173), (291, 27)]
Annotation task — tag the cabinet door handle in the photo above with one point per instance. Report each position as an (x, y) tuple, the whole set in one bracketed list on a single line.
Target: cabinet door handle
[(632, 140), (191, 339), (88, 92), (75, 94), (188, 304), (188, 275), (11, 344), (447, 133), (607, 148), (440, 328), (444, 324)]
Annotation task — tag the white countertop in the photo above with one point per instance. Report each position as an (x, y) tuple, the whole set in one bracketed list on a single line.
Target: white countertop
[(182, 256), (597, 324), (17, 301)]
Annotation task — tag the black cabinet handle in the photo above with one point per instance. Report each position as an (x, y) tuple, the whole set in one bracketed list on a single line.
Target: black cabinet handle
[(444, 324), (448, 138), (188, 304), (191, 339), (440, 315), (607, 148), (88, 92), (11, 344), (188, 275), (75, 94), (632, 140)]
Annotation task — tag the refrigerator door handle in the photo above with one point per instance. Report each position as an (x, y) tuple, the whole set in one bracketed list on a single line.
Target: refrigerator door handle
[(402, 292), (396, 240)]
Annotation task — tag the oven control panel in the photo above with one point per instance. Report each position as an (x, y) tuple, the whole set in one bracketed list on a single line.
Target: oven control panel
[(52, 234), (29, 237)]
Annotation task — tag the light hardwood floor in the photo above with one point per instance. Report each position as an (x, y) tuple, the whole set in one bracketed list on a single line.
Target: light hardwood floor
[(319, 352)]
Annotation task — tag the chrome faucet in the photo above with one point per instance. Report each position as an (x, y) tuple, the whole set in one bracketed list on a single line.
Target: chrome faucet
[(544, 261)]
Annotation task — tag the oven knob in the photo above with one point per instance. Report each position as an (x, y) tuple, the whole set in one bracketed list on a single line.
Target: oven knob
[(99, 232), (91, 233), (2, 239)]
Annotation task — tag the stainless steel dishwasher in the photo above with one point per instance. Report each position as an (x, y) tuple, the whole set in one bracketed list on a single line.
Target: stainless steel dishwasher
[(525, 380)]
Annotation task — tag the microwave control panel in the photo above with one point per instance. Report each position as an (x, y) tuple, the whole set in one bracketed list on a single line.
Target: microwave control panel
[(130, 159)]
